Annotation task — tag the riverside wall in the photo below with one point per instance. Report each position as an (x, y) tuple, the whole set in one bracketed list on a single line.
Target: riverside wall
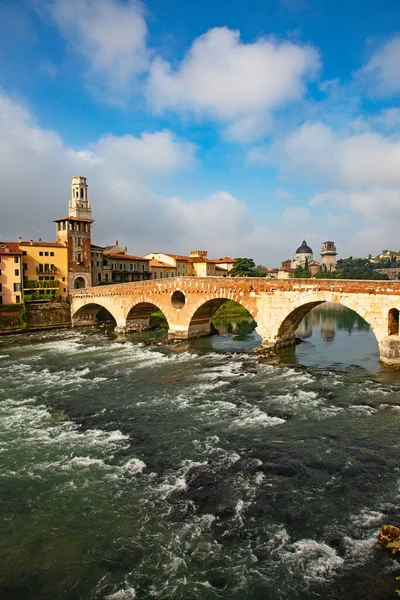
[(22, 318)]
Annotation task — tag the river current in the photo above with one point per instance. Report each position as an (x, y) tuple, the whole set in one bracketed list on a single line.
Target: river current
[(134, 471)]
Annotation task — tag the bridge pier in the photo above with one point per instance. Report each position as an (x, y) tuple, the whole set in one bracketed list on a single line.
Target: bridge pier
[(389, 350)]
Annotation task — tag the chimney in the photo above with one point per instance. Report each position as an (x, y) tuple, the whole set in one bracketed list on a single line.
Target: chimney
[(19, 239), (116, 242), (31, 242)]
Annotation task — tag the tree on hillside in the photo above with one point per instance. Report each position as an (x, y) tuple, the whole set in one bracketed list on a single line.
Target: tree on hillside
[(353, 268), (245, 267)]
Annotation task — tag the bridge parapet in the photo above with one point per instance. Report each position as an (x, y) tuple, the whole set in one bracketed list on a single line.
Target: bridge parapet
[(277, 306)]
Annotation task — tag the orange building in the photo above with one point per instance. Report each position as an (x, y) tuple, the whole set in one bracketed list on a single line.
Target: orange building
[(10, 273)]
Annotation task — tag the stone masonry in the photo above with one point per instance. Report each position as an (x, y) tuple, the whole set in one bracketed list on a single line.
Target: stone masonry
[(278, 306)]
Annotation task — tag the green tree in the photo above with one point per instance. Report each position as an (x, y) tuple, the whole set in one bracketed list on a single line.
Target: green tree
[(245, 267)]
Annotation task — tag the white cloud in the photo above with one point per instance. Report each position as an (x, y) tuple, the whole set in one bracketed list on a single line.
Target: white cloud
[(382, 72), (119, 170), (110, 34), (296, 214), (232, 81), (314, 151)]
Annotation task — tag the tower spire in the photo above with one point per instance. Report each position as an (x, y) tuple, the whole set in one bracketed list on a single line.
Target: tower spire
[(79, 205)]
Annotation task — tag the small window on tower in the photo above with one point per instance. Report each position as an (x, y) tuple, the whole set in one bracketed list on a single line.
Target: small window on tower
[(79, 257), (81, 192)]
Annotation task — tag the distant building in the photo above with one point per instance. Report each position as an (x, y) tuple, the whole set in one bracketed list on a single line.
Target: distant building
[(304, 258), (197, 264), (75, 231), (10, 273), (112, 264), (328, 256)]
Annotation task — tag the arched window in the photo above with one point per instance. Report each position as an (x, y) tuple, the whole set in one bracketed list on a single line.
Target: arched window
[(81, 192), (393, 322)]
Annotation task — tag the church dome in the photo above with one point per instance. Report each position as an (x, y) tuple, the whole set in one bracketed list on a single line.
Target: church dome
[(304, 249)]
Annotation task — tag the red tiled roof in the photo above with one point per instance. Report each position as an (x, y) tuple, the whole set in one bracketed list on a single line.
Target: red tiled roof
[(124, 256), (43, 244), (176, 256), (10, 248), (223, 260), (158, 263)]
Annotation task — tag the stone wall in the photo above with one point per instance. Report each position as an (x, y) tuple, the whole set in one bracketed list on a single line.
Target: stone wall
[(276, 305), (22, 317)]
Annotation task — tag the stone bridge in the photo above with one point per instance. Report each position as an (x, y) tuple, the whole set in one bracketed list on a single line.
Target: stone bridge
[(278, 306)]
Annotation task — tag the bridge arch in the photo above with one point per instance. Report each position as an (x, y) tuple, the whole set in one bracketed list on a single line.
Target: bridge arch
[(285, 334), (88, 314), (138, 316), (203, 312)]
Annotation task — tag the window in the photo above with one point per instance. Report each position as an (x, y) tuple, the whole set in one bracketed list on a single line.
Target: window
[(155, 275), (52, 277), (1, 299), (46, 253), (16, 272), (98, 263), (51, 253), (79, 257), (81, 192), (16, 259), (105, 263), (17, 287), (65, 289), (106, 277), (40, 277), (160, 274), (24, 252), (121, 267), (1, 287), (40, 253), (0, 272), (17, 299), (132, 267), (143, 267), (25, 266), (79, 241), (46, 277)]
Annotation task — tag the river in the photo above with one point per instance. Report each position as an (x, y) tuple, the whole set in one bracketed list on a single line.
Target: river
[(196, 472)]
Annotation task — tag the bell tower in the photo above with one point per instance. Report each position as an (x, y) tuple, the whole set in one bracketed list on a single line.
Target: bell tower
[(75, 232), (79, 205)]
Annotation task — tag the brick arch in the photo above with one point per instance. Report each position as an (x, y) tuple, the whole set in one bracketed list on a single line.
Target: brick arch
[(87, 313), (202, 311), (285, 334), (138, 314)]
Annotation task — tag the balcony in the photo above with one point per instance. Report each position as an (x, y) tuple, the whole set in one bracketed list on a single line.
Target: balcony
[(39, 285)]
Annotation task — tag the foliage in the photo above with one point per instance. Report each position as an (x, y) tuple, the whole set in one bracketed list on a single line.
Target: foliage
[(302, 272), (231, 308), (353, 268), (32, 284), (245, 267), (7, 307), (157, 319)]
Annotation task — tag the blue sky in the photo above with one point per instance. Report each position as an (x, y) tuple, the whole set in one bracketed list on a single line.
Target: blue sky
[(237, 127)]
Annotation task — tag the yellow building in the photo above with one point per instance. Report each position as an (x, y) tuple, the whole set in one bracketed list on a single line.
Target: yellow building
[(197, 264), (162, 270), (10, 273), (44, 268)]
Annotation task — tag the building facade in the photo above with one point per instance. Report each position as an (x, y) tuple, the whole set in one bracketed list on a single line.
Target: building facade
[(10, 273), (75, 231), (44, 269), (328, 256)]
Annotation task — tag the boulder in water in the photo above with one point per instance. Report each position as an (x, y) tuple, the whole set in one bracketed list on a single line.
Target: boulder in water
[(389, 538)]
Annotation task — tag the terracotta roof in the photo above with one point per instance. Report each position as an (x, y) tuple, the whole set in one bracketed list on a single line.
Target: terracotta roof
[(176, 256), (158, 263), (124, 256), (10, 248), (223, 260), (74, 219), (44, 244)]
